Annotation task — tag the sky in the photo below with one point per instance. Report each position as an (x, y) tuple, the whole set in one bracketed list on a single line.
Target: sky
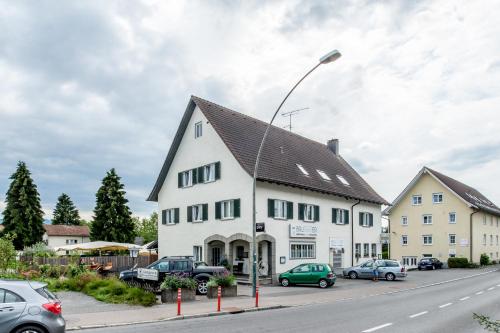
[(87, 86)]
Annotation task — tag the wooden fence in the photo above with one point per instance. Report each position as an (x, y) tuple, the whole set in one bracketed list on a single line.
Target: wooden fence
[(119, 263)]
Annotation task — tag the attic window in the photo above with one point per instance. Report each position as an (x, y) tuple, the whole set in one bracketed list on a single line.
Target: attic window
[(343, 181), (323, 175), (304, 171)]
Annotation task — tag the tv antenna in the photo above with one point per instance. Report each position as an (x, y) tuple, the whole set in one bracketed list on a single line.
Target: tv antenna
[(290, 114)]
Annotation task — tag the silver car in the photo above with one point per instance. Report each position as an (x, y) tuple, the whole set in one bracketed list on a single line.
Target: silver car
[(29, 307), (387, 269)]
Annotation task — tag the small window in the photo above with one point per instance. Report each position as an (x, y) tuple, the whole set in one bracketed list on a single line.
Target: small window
[(358, 250), (497, 240), (427, 239), (374, 250), (341, 216), (404, 220), (309, 213), (437, 198), (404, 239), (187, 178), (484, 219), (169, 216), (491, 239), (484, 239), (209, 173), (198, 253), (197, 212), (365, 219), (366, 250), (303, 170), (416, 200), (323, 175), (198, 130), (452, 239), (491, 220), (452, 218), (280, 209), (227, 209), (427, 219), (303, 251), (343, 181)]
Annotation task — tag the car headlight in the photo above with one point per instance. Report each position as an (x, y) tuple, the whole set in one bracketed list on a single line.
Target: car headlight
[(121, 275)]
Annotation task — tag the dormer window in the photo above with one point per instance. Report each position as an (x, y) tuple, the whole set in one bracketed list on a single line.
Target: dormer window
[(343, 181), (303, 170), (198, 130), (323, 175)]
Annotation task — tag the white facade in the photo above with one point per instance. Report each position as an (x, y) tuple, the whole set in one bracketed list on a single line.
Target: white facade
[(58, 241), (233, 236)]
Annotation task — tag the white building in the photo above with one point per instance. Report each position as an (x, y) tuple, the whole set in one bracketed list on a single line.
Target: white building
[(313, 205), (60, 235)]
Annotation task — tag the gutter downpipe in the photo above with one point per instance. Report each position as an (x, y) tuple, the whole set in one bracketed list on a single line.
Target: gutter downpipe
[(474, 212), (352, 231)]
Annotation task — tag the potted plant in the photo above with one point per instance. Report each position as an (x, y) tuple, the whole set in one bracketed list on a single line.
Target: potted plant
[(226, 281), (172, 283)]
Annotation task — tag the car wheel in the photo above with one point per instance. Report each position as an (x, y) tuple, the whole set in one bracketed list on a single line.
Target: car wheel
[(353, 275), (29, 329), (419, 268), (202, 287), (390, 277), (323, 283), (285, 282)]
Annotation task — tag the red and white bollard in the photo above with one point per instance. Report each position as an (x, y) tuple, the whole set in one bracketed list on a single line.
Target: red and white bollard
[(179, 297), (219, 294), (256, 296)]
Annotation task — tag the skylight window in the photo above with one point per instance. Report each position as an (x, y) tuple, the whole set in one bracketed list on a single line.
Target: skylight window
[(343, 181), (304, 171), (323, 175)]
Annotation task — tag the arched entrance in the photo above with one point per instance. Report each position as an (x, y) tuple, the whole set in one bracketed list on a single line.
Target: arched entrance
[(266, 257), (240, 254), (215, 252)]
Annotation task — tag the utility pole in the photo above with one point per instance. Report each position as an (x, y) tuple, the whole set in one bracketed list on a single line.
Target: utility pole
[(290, 114)]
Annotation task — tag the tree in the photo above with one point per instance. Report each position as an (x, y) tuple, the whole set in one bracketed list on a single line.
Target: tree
[(7, 253), (112, 218), (147, 228), (65, 211), (23, 215)]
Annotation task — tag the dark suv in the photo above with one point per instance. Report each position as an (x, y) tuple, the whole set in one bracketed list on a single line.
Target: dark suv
[(184, 266), (429, 263)]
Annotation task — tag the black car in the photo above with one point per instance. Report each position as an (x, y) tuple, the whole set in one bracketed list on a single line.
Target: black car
[(429, 263), (184, 266)]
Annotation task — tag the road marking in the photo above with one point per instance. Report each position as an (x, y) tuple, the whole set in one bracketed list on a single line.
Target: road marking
[(464, 298), (491, 288), (445, 305), (479, 292), (418, 314), (373, 329)]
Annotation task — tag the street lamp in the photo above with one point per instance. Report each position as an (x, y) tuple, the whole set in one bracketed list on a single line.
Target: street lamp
[(327, 58)]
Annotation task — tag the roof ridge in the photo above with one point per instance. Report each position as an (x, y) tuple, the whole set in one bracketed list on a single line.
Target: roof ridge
[(453, 179)]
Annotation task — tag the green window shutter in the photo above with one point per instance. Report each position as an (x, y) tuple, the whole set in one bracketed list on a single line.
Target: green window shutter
[(346, 216), (176, 217), (301, 211), (195, 176), (201, 175), (316, 213), (217, 210), (205, 212), (164, 216), (179, 179), (360, 218), (270, 208), (370, 216), (217, 170), (237, 208), (335, 211), (190, 214), (289, 210)]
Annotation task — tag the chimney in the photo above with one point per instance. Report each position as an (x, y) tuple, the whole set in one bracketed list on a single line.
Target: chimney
[(333, 145)]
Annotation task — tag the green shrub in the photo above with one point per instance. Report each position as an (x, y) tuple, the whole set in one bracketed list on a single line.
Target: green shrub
[(224, 280), (174, 282), (39, 249), (458, 262), (473, 265), (494, 262), (7, 253), (484, 260)]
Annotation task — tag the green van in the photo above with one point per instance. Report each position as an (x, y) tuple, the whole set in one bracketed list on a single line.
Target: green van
[(320, 274)]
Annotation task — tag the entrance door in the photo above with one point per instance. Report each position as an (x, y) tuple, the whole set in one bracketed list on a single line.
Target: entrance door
[(337, 257), (216, 256)]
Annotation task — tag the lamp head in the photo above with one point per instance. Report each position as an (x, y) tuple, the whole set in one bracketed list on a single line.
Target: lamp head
[(330, 57)]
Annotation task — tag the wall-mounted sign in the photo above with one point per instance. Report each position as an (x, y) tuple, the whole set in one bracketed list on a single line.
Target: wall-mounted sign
[(147, 274), (260, 227), (303, 231), (282, 260), (336, 243)]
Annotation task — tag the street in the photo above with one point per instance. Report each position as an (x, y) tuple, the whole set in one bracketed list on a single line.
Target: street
[(441, 308)]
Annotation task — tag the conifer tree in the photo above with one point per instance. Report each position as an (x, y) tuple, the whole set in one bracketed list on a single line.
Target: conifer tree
[(65, 211), (23, 215), (112, 217)]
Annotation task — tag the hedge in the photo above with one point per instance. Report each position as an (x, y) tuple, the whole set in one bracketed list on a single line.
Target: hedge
[(458, 262)]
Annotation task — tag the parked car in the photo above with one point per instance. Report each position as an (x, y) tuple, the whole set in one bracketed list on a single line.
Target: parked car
[(185, 266), (320, 274), (429, 263), (387, 269), (29, 307)]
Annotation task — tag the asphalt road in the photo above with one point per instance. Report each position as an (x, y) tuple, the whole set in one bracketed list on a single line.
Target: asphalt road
[(442, 308)]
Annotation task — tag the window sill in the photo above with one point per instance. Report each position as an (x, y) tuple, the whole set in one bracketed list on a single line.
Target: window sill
[(280, 218), (427, 244), (187, 186), (198, 221), (227, 218), (169, 224), (309, 221), (208, 181)]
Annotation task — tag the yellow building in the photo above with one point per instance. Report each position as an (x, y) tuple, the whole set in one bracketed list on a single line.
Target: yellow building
[(438, 216)]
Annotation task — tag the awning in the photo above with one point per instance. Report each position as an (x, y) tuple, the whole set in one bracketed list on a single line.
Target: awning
[(96, 246)]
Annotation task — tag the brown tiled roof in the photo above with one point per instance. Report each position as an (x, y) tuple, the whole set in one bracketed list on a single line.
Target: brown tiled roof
[(66, 230), (282, 151)]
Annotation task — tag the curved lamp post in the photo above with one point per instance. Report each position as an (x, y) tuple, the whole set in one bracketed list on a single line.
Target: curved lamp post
[(328, 58)]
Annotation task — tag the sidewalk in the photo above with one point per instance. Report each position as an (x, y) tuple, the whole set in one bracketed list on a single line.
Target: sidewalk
[(270, 297)]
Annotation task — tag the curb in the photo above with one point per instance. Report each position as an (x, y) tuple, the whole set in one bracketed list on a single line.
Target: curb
[(176, 318)]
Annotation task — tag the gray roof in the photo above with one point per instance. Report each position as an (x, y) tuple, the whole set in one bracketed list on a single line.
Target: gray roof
[(282, 151)]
